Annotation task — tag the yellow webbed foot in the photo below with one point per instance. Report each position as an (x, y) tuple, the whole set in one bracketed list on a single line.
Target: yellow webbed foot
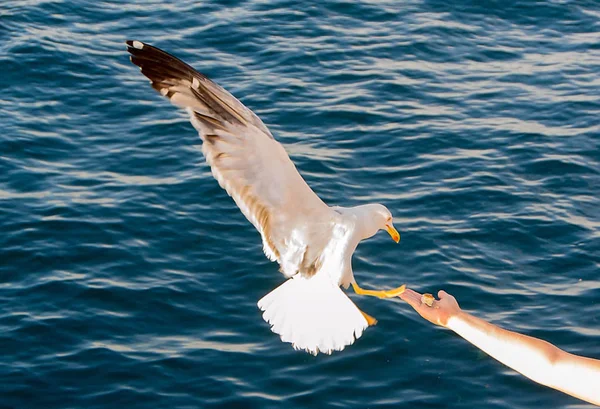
[(395, 292), (370, 320), (379, 293)]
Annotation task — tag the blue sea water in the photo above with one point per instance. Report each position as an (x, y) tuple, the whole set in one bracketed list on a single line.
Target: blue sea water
[(129, 279)]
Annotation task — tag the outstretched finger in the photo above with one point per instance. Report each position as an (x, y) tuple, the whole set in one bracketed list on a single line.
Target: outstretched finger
[(411, 297)]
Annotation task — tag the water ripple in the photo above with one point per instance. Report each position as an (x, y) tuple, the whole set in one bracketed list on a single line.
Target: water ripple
[(130, 279)]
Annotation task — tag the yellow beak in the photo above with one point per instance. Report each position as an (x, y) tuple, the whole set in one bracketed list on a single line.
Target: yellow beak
[(393, 232)]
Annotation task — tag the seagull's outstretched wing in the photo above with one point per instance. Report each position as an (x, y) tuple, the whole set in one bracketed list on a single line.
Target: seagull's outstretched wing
[(247, 161)]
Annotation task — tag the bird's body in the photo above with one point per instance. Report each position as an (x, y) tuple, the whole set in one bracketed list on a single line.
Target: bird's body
[(312, 242)]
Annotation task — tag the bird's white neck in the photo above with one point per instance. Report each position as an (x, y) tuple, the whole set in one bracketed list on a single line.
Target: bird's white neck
[(362, 219), (365, 228)]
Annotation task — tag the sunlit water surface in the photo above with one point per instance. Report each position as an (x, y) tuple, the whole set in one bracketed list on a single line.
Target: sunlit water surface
[(129, 279)]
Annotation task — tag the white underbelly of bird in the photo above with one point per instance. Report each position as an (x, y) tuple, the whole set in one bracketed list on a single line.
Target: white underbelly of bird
[(312, 242)]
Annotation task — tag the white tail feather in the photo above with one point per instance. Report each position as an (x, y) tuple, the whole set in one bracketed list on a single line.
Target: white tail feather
[(313, 314)]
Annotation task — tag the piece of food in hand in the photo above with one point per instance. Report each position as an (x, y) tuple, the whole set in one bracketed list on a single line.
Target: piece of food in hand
[(427, 299)]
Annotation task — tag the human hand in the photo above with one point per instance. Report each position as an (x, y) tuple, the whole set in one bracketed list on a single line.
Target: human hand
[(441, 310)]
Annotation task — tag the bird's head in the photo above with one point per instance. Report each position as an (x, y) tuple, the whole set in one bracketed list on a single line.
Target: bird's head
[(386, 223), (380, 218)]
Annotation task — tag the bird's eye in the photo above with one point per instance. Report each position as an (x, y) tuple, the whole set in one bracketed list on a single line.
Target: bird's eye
[(389, 219)]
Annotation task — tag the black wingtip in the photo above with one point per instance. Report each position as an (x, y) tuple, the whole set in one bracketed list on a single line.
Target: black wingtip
[(157, 64)]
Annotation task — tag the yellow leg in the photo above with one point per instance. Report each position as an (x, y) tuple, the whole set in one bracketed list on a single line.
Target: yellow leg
[(381, 293), (370, 320)]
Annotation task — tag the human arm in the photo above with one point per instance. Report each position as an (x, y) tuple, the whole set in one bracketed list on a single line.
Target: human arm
[(534, 358)]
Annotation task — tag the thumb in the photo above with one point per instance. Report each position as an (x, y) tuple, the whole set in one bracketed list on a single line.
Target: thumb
[(442, 294)]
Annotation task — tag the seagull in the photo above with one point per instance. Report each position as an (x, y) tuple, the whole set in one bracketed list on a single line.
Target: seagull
[(312, 242)]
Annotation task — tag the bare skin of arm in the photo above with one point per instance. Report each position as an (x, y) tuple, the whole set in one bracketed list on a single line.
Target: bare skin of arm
[(534, 358)]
